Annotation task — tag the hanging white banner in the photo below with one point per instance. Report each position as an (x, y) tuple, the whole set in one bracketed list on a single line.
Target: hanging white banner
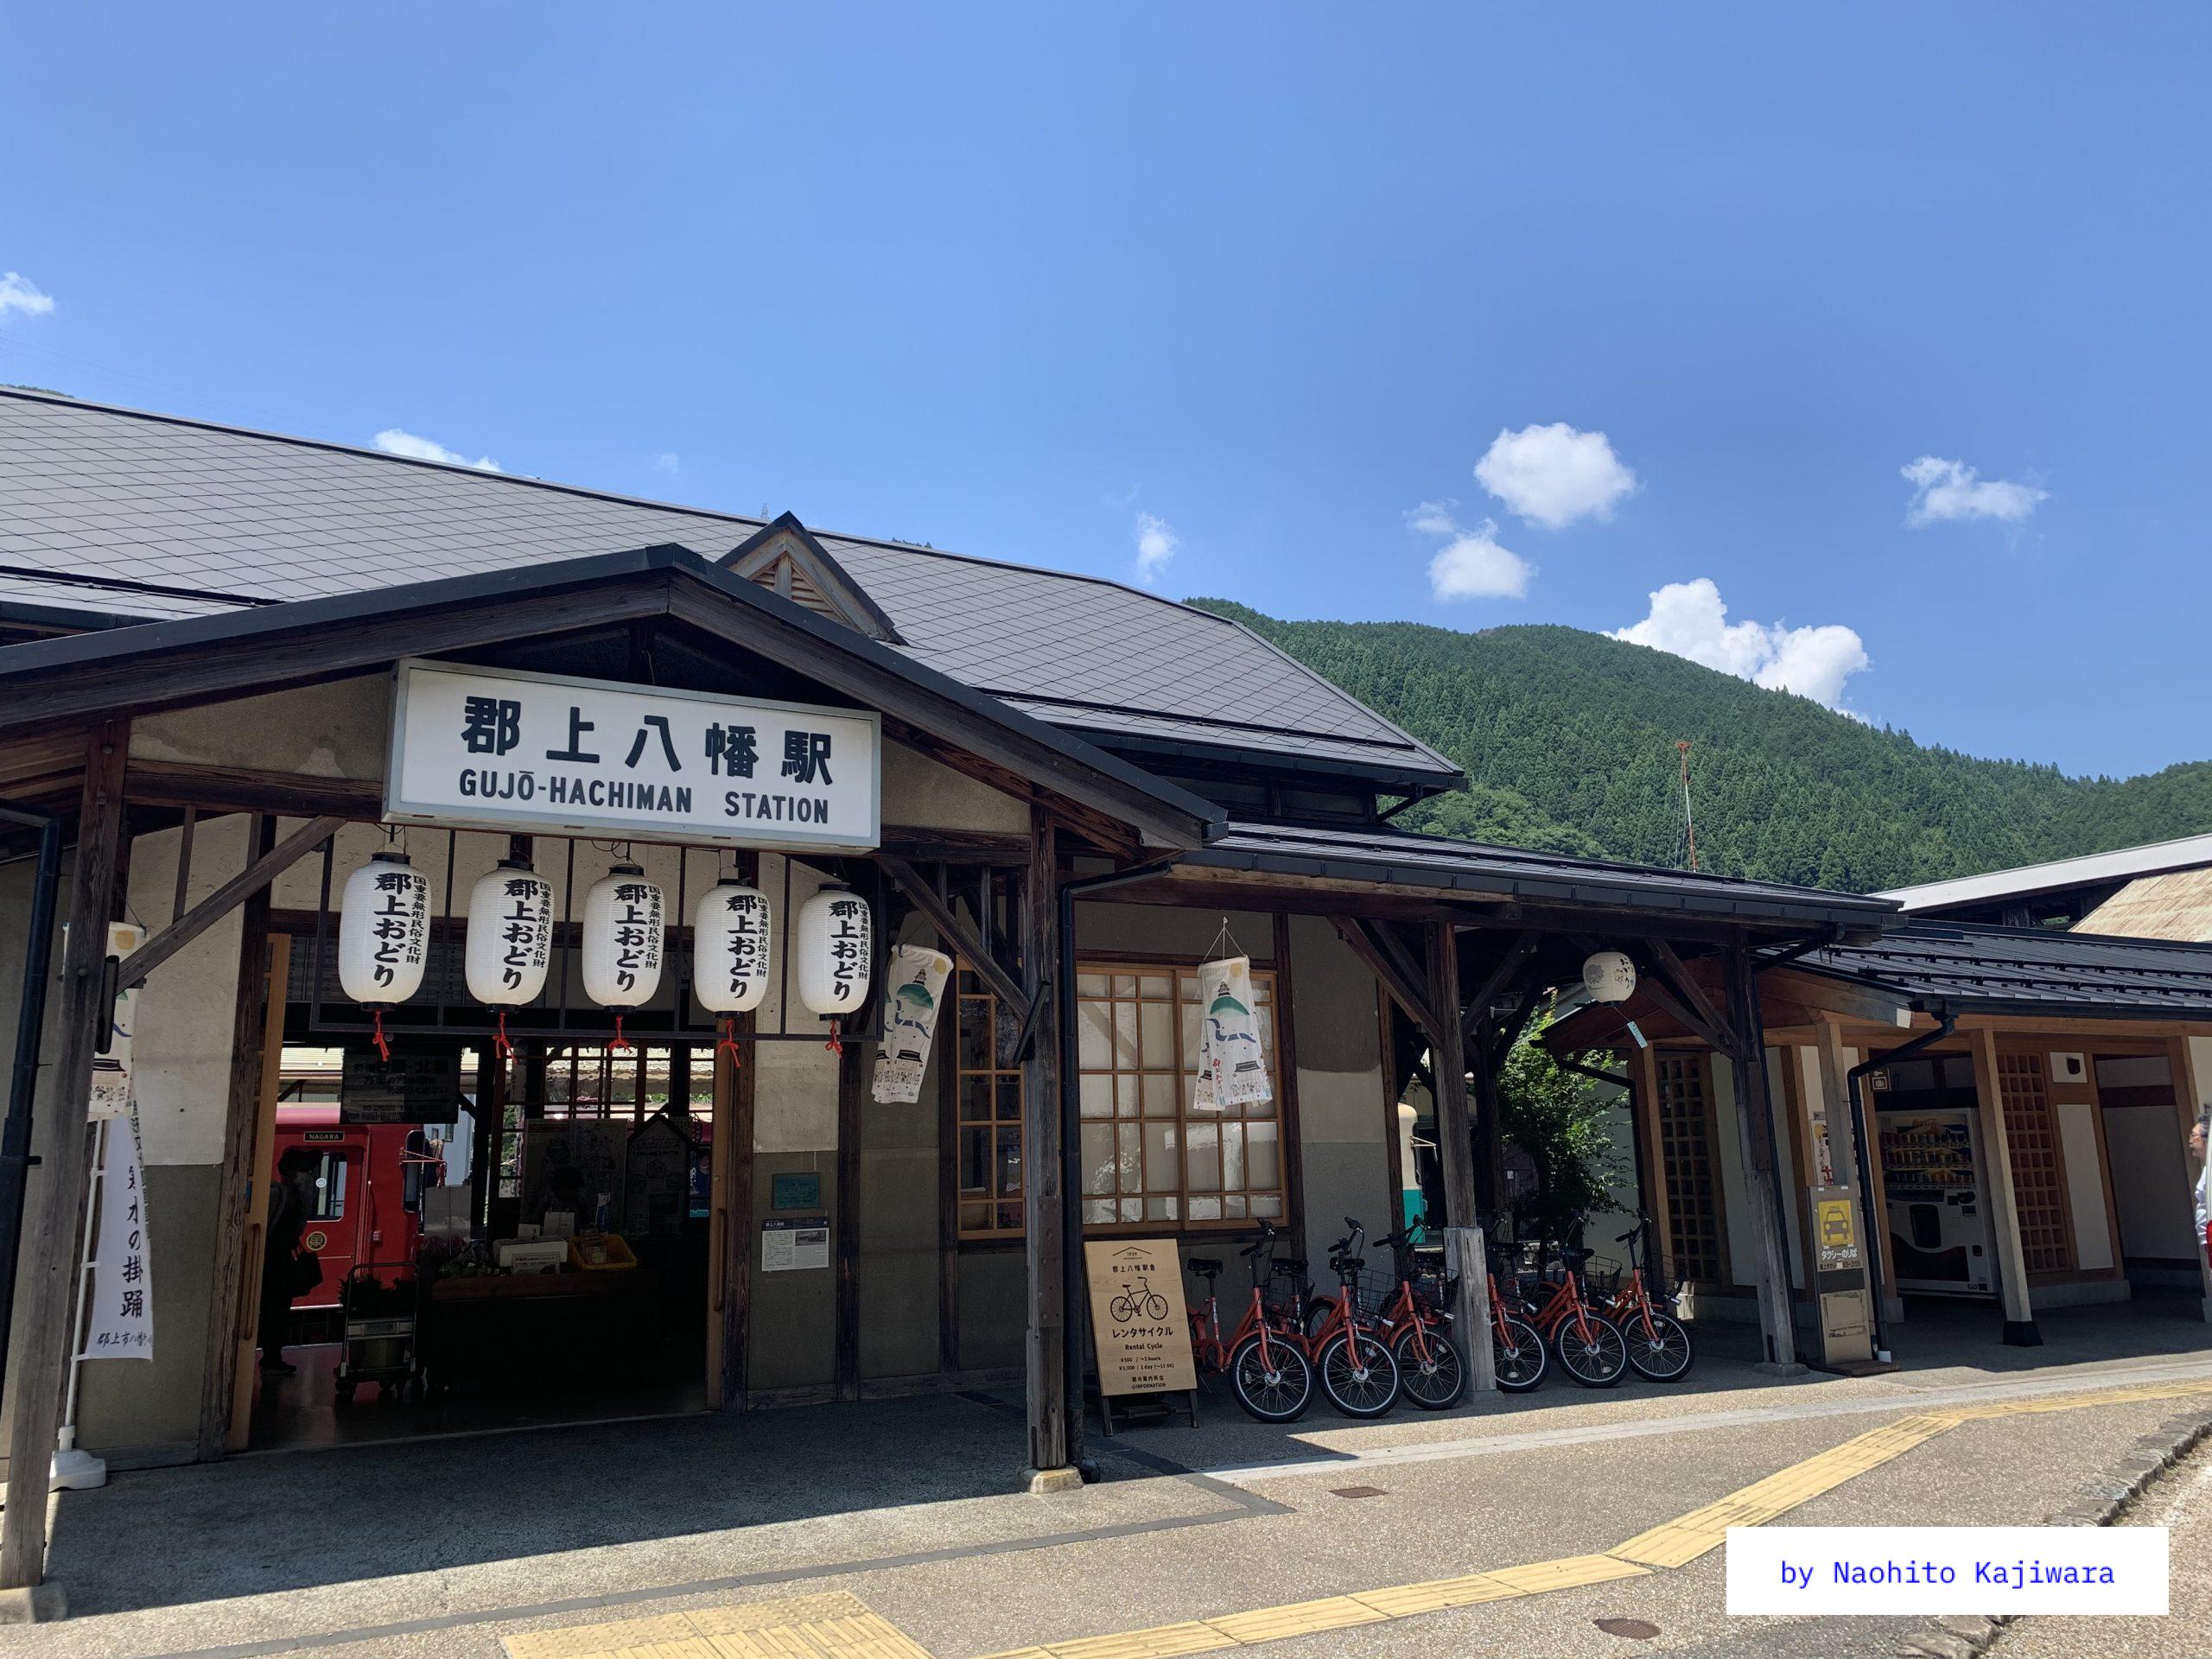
[(112, 1070), (121, 1322), (1232, 1070), (913, 991)]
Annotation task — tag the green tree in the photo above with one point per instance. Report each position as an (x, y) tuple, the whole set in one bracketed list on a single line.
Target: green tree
[(1559, 1118)]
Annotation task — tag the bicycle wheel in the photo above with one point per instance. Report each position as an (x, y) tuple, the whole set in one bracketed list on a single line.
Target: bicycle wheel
[(1120, 1310), (1518, 1356), (1662, 1353), (1430, 1370), (1362, 1386), (1155, 1306), (1276, 1386), (1595, 1361)]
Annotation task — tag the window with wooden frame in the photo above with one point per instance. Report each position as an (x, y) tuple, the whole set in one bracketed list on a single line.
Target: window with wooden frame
[(2031, 1138), (1698, 1244), (1149, 1157), (989, 1136)]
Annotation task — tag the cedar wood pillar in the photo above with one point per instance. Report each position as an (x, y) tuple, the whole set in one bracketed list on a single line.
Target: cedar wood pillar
[(39, 1365), (1045, 1351), (1455, 1142), (1998, 1196), (1762, 1174)]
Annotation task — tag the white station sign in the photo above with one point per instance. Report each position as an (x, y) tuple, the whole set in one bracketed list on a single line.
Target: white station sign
[(498, 749)]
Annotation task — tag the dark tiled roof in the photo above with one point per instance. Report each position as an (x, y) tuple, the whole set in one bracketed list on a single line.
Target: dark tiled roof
[(90, 491), (1978, 968), (1412, 860)]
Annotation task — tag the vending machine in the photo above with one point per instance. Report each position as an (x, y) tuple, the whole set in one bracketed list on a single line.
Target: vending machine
[(1939, 1224)]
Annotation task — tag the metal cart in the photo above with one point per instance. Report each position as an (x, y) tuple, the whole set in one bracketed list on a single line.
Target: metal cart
[(379, 1341)]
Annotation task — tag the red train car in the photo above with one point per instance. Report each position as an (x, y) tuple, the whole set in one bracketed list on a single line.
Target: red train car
[(370, 1179)]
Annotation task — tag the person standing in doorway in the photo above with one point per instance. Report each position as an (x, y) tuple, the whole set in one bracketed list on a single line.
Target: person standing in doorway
[(291, 1200), (2197, 1137)]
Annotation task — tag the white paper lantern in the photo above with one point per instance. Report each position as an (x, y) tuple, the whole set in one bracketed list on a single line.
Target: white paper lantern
[(1609, 977), (625, 925), (510, 935), (383, 931), (730, 944), (835, 942)]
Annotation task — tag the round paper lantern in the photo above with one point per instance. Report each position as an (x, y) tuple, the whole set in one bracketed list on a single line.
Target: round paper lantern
[(1609, 977), (383, 931), (510, 935), (729, 948), (625, 922), (835, 944)]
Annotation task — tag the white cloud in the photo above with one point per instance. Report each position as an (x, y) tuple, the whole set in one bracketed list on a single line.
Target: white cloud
[(1946, 490), (19, 295), (1471, 564), (393, 441), (1689, 619), (668, 462), (1553, 475), (1156, 544)]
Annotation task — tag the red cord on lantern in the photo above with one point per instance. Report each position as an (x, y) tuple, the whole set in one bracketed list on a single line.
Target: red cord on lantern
[(383, 1048), (622, 1044), (500, 1046), (730, 1040), (836, 1044)]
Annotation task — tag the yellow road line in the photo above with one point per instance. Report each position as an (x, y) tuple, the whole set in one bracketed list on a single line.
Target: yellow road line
[(836, 1625), (830, 1626)]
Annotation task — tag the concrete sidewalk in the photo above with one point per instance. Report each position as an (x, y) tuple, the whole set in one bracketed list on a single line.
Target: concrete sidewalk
[(444, 1549)]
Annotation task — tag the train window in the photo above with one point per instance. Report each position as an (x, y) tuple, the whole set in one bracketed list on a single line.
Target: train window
[(329, 1188)]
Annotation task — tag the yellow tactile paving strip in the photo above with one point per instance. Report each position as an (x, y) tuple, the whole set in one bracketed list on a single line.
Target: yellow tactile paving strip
[(830, 1626), (840, 1626)]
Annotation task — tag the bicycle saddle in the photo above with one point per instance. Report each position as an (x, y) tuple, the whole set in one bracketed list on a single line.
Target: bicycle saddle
[(1205, 1266), (1575, 1258), (1292, 1264), (1348, 1263), (1627, 1236)]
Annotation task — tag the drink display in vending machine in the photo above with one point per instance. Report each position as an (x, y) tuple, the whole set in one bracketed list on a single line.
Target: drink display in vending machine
[(1939, 1226)]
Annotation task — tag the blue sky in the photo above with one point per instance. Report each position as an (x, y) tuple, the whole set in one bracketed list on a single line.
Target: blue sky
[(1269, 282)]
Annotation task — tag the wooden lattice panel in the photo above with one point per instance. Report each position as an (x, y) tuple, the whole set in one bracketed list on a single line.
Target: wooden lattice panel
[(1693, 1225), (2031, 1137)]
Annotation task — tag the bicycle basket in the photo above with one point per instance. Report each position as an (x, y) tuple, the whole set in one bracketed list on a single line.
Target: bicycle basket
[(1437, 1291), (1376, 1291), (1601, 1278)]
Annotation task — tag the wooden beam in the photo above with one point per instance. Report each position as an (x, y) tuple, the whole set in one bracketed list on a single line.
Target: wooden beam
[(1762, 1171), (1463, 1240), (1408, 993), (251, 882), (1693, 1007), (1651, 1177), (244, 789), (1999, 1197), (1053, 1386), (1500, 976), (259, 995), (46, 1285), (1827, 994), (958, 937)]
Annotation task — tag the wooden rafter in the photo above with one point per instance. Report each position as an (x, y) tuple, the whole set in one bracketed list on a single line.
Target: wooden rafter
[(253, 879)]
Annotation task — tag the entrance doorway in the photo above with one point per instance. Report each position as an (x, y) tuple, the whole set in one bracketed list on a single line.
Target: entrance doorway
[(541, 1258)]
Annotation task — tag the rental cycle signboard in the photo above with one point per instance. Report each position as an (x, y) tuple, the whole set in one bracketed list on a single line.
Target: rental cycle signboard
[(504, 750), (1138, 1324)]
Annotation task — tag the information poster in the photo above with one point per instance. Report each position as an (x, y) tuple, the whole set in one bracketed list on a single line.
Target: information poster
[(791, 1244), (1138, 1324)]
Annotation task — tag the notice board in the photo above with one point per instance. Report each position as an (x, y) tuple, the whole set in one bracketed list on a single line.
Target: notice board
[(1137, 1320)]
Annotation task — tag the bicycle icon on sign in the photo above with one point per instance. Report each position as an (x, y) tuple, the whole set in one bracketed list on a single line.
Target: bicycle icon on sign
[(1139, 1301)]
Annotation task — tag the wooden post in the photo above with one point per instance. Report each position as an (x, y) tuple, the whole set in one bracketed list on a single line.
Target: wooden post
[(1761, 1176), (1463, 1241), (1998, 1197), (2192, 1094), (848, 1233), (46, 1285), (238, 1208), (1054, 1387)]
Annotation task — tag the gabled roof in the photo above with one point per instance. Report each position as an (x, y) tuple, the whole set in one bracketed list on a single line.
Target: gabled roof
[(103, 495), (1974, 968), (1407, 859), (784, 556), (2173, 904), (49, 683), (2029, 879)]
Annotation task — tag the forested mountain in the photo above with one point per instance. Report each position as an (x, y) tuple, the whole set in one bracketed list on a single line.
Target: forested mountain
[(1569, 740)]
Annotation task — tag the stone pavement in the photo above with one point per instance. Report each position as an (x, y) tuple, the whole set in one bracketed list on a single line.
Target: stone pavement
[(1567, 1523)]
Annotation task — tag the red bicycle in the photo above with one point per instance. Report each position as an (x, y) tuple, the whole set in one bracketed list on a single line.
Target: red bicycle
[(1357, 1370), (1416, 1320), (1590, 1346), (1658, 1345), (1517, 1347), (1265, 1356)]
